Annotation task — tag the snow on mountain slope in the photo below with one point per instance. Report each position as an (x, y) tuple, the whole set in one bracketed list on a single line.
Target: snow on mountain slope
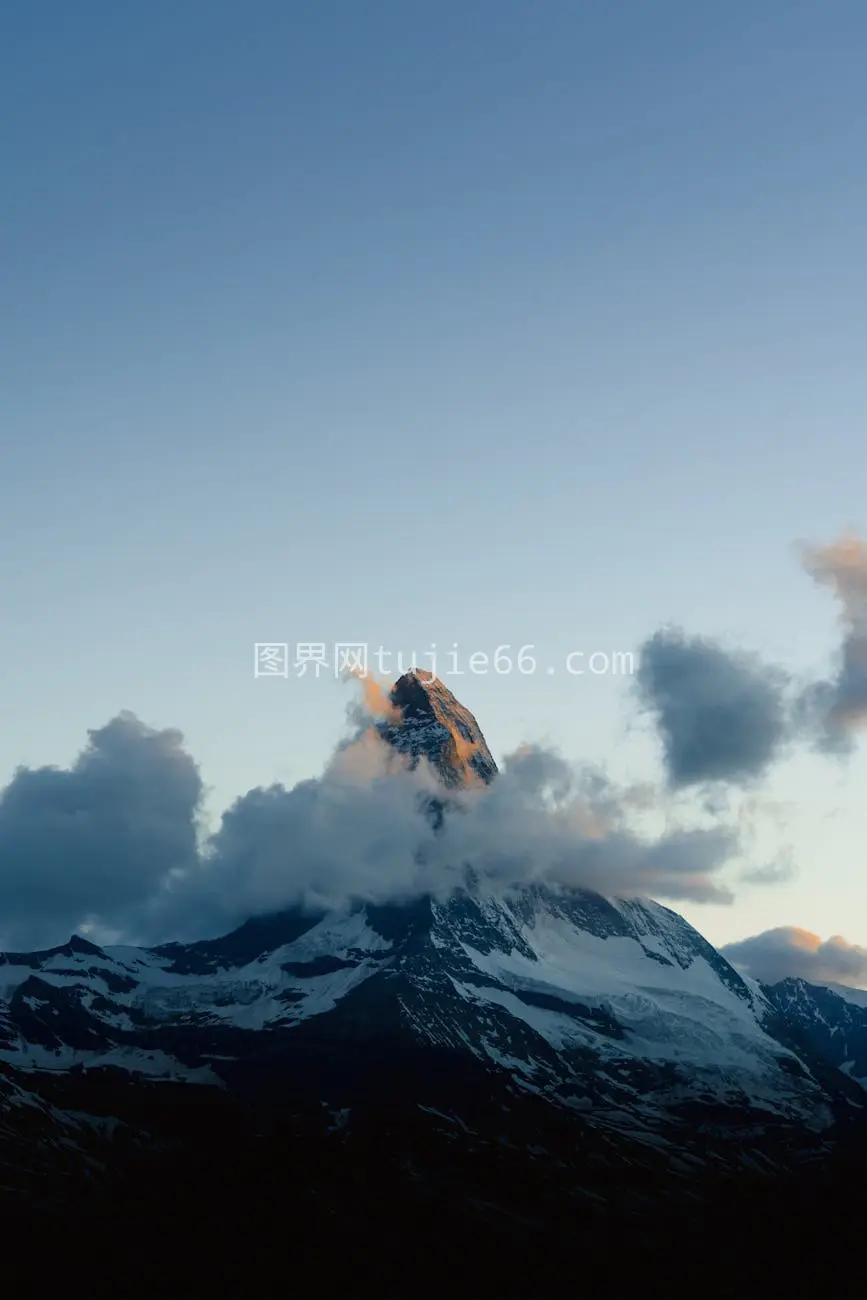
[(81, 1004), (858, 997), (640, 1014), (618, 1009)]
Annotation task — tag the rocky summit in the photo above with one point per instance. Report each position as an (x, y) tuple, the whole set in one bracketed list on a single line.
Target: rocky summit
[(428, 722)]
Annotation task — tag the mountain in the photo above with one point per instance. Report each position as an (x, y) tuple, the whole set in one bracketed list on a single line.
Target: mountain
[(831, 1020), (618, 1010), (507, 1071)]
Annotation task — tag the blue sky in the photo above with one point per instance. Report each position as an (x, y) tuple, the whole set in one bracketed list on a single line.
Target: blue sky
[(492, 323)]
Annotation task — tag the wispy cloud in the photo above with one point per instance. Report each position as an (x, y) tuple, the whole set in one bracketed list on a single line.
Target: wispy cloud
[(837, 707), (777, 872)]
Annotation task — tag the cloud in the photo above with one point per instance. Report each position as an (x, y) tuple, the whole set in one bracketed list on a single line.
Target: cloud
[(112, 843), (722, 716), (360, 833), (792, 952), (754, 813), (99, 839), (836, 708), (725, 717), (375, 701), (778, 872)]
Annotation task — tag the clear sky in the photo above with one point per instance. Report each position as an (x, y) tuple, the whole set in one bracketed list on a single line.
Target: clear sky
[(478, 323)]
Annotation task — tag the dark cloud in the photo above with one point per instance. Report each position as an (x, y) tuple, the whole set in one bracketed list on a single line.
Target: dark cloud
[(792, 952), (111, 843), (100, 839), (725, 717), (721, 716)]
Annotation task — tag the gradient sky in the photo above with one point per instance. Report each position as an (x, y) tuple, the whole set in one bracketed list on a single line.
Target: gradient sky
[(482, 323)]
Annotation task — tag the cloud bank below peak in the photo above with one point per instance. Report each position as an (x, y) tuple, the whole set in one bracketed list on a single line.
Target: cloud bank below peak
[(789, 952), (114, 845)]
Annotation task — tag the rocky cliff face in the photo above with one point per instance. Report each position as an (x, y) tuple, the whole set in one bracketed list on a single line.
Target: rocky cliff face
[(832, 1021), (432, 724)]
